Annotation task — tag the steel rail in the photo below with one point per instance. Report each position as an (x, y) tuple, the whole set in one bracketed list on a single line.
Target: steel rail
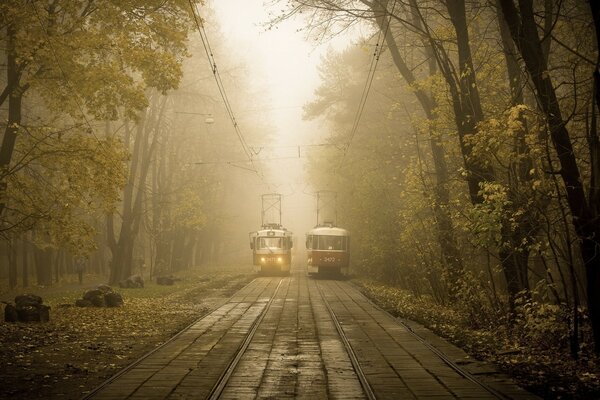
[(218, 388), (353, 359), (148, 354), (464, 373)]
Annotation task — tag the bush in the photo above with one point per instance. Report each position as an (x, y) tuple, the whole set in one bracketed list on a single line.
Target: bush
[(540, 325)]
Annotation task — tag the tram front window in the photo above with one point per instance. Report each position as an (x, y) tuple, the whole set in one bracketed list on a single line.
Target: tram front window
[(328, 242), (270, 243)]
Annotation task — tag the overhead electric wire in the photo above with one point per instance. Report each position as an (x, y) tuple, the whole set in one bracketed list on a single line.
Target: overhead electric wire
[(245, 161), (368, 84), (256, 150), (221, 87)]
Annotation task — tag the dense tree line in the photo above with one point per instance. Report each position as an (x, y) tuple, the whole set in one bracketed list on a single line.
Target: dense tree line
[(473, 175), (104, 113)]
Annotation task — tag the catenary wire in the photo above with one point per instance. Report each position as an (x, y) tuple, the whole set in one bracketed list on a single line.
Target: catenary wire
[(221, 88), (367, 87)]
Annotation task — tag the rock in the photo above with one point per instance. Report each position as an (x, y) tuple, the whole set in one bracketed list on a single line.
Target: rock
[(138, 281), (27, 308), (113, 299), (165, 280), (28, 314), (83, 303), (44, 312), (134, 281), (104, 288), (98, 301), (96, 297), (10, 313), (24, 300), (92, 293), (101, 296)]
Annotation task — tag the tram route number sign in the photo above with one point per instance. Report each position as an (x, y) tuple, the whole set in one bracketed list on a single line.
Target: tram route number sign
[(329, 259)]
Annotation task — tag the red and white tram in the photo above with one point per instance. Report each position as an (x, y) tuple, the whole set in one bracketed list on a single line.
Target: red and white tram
[(271, 249), (328, 250)]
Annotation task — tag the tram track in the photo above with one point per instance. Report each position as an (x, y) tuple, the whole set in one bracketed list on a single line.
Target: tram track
[(461, 371), (351, 354), (286, 337), (133, 368), (134, 364), (453, 365), (218, 388)]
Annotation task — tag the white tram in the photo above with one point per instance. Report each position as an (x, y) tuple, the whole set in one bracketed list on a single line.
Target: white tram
[(328, 250), (271, 249)]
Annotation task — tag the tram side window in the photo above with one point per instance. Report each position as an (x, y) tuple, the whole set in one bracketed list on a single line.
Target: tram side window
[(270, 243), (311, 242), (329, 242)]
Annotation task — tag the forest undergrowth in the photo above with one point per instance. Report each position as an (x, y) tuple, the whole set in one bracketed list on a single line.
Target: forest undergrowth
[(531, 348), (82, 347)]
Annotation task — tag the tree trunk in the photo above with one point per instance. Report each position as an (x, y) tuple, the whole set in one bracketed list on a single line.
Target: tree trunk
[(468, 113), (25, 258), (444, 225), (43, 266), (143, 151), (178, 252), (123, 258), (12, 264), (516, 271), (466, 101), (188, 253), (523, 30), (14, 114)]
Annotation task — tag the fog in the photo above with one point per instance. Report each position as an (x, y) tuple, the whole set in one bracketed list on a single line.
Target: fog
[(459, 139), (280, 67)]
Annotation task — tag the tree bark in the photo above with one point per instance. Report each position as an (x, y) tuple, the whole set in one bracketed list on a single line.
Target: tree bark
[(12, 265), (143, 150), (14, 114), (514, 259), (466, 100), (43, 266), (444, 226), (25, 257), (523, 30), (468, 113), (593, 136)]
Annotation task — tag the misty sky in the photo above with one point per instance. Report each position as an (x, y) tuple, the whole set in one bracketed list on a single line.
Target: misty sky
[(283, 65)]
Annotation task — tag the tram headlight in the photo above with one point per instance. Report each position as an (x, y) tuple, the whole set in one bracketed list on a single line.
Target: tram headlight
[(279, 259), (262, 259)]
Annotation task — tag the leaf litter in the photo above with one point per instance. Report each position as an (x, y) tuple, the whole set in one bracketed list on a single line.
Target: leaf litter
[(82, 347)]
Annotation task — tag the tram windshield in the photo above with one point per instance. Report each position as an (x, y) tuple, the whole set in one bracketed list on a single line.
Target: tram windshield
[(270, 243), (327, 242)]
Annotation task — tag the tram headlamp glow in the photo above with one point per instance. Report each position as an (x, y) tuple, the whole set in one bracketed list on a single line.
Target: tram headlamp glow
[(262, 259), (279, 259)]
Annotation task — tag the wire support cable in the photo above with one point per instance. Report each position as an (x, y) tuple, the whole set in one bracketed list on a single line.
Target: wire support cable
[(221, 87), (368, 84)]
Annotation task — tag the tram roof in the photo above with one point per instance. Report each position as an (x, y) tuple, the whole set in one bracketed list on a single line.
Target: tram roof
[(328, 230), (271, 232)]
